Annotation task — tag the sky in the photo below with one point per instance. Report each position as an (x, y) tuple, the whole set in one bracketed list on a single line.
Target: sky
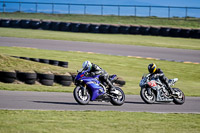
[(184, 3)]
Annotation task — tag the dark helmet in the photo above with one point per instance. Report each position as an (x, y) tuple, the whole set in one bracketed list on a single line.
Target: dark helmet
[(152, 68)]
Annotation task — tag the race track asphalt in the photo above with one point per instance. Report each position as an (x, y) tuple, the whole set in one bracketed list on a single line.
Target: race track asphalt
[(20, 100), (171, 54)]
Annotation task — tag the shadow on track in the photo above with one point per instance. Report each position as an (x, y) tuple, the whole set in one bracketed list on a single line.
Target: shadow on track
[(66, 103)]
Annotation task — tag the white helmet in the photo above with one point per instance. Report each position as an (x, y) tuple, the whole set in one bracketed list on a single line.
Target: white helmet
[(87, 65)]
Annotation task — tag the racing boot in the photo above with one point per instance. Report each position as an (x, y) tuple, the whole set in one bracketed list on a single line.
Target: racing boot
[(171, 90), (112, 87)]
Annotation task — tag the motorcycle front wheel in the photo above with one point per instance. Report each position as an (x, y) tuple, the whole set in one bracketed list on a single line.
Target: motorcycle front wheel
[(80, 97), (180, 99), (119, 99), (149, 99)]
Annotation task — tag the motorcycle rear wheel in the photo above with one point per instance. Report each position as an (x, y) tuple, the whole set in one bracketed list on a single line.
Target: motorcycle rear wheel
[(179, 100), (120, 99), (79, 97), (149, 99)]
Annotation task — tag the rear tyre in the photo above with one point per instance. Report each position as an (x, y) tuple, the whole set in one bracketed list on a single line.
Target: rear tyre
[(181, 97), (80, 97), (149, 99), (118, 100)]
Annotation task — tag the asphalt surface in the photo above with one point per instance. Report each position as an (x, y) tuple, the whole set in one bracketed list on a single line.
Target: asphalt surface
[(28, 100), (171, 54)]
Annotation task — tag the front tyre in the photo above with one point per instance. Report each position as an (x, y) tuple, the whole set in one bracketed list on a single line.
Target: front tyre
[(180, 99), (80, 97), (119, 99), (149, 99)]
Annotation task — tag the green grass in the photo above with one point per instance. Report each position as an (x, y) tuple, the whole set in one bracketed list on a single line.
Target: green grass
[(155, 41), (94, 122), (130, 69), (119, 20)]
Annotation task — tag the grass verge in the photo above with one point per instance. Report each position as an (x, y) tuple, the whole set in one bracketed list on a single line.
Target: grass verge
[(155, 41), (95, 122), (129, 68), (119, 20)]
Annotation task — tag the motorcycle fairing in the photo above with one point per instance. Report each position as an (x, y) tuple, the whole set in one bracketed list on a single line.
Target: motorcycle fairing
[(94, 86)]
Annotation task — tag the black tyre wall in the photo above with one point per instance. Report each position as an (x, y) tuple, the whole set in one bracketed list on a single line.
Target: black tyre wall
[(15, 23), (63, 64), (134, 29), (25, 24), (195, 34), (114, 29), (104, 28), (5, 23), (164, 31), (55, 26), (94, 28), (28, 78), (84, 27), (45, 25), (175, 32), (65, 26), (74, 27), (154, 31), (7, 77), (144, 30), (35, 24), (44, 61), (53, 62), (124, 29), (185, 33)]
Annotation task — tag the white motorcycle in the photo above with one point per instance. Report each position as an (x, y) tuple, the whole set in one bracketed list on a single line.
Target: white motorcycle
[(153, 90)]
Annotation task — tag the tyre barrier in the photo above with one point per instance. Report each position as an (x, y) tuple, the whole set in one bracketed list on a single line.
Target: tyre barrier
[(28, 78), (114, 29), (101, 28), (46, 61), (7, 77), (46, 79), (64, 80), (134, 29), (124, 29)]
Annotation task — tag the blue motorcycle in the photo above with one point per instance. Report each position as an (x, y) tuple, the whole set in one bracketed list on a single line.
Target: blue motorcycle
[(89, 88)]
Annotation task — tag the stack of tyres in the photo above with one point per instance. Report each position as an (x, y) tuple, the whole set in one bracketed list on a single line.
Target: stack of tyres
[(35, 24), (154, 31), (164, 31), (15, 23), (45, 79), (144, 30), (104, 28), (74, 27), (64, 80), (175, 32), (195, 33), (28, 78), (46, 61), (45, 25), (63, 64), (53, 62), (84, 27), (114, 29), (7, 77), (124, 29), (65, 26), (25, 23), (134, 29), (5, 23), (34, 59), (185, 33), (55, 26), (94, 28)]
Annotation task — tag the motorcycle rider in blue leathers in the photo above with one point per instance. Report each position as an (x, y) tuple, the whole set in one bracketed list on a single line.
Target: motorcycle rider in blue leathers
[(94, 69)]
